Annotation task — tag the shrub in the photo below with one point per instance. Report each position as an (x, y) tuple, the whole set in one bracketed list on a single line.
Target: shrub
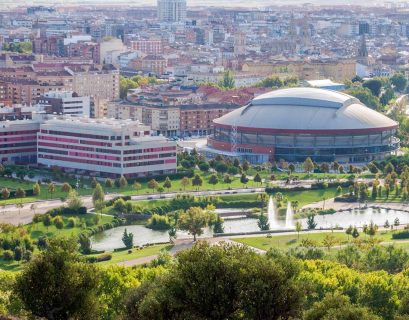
[(8, 255), (71, 222), (401, 235), (157, 222)]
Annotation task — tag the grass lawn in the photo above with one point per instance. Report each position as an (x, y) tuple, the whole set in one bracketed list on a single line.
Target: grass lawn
[(291, 240), (122, 256), (11, 265), (12, 184), (38, 230)]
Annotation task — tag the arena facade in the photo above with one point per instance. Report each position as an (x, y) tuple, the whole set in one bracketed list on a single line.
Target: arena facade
[(296, 123)]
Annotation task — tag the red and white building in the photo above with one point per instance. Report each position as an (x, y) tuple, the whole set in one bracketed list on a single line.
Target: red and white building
[(106, 147), (18, 141)]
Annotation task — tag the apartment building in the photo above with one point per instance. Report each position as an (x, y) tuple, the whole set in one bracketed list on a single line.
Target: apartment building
[(151, 64), (198, 119), (104, 147), (170, 121), (96, 82), (66, 103), (25, 92), (149, 47)]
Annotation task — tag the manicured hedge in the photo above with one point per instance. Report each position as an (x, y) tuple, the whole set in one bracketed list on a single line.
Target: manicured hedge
[(401, 235), (346, 199), (100, 258), (109, 203), (65, 211)]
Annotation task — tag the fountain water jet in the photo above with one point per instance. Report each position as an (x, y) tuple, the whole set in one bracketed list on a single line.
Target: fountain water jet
[(271, 214), (289, 217)]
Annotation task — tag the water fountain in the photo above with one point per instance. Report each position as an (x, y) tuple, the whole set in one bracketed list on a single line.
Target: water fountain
[(271, 214), (289, 217)]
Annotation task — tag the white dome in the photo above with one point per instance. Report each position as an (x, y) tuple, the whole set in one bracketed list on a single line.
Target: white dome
[(306, 109)]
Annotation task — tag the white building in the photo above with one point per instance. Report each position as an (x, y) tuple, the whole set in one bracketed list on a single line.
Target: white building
[(104, 147), (172, 10), (66, 103)]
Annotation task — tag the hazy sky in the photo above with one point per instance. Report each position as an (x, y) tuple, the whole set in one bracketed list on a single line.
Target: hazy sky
[(246, 3)]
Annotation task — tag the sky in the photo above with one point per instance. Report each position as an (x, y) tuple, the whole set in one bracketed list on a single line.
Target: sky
[(227, 3)]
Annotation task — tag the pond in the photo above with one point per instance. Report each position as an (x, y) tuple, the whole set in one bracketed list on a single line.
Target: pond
[(112, 239)]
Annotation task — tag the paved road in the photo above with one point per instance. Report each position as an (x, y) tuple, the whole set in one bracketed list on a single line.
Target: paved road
[(182, 244), (12, 214)]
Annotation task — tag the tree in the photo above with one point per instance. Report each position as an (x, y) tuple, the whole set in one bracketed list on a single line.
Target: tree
[(386, 224), (19, 206), (213, 179), (185, 182), (20, 193), (365, 96), (109, 183), (204, 166), (308, 165), (374, 85), (98, 195), (329, 241), (355, 233), (127, 239), (58, 222), (33, 208), (153, 184), (74, 202), (5, 193), (337, 306), (399, 81), (291, 168), (194, 220), (51, 188), (85, 243), (339, 191), (298, 228), (36, 189), (94, 182), (66, 187), (218, 225), (249, 286), (324, 168), (257, 178), (137, 186), (227, 179), (18, 253), (197, 181), (167, 184), (47, 220), (263, 223), (228, 80), (387, 96), (57, 284), (372, 228), (349, 230), (123, 182), (120, 205), (244, 179), (396, 222), (246, 166), (311, 224)]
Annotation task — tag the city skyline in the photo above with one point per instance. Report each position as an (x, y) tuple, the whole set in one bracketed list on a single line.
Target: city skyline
[(204, 3)]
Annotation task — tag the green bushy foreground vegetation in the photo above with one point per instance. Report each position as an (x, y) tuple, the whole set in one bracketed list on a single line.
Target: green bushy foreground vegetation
[(224, 281)]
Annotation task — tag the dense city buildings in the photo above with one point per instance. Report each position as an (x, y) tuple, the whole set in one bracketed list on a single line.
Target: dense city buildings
[(294, 124)]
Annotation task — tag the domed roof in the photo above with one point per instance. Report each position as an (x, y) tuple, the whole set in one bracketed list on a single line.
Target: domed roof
[(306, 109)]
